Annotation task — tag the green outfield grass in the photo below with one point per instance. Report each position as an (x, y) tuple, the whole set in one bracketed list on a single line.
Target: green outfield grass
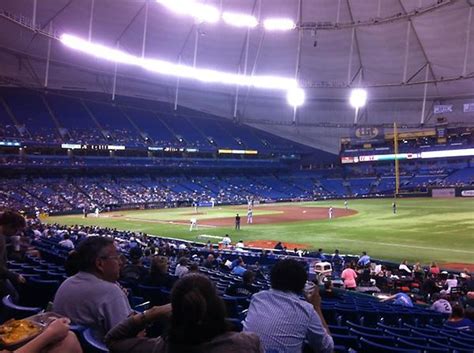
[(422, 230)]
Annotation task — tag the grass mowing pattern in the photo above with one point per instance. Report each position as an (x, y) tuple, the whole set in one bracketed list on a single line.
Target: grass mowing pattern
[(422, 230)]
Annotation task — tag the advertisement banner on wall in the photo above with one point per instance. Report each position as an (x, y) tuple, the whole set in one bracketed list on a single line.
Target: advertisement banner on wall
[(467, 193), (468, 108), (444, 193), (443, 108)]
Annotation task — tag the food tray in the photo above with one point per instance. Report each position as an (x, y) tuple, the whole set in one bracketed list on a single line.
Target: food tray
[(34, 326), (15, 333)]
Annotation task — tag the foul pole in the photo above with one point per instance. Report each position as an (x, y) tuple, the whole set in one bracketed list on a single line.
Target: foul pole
[(397, 173)]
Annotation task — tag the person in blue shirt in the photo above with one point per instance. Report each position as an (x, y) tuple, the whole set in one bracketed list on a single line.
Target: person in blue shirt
[(283, 320), (364, 260), (400, 299), (239, 269), (458, 321)]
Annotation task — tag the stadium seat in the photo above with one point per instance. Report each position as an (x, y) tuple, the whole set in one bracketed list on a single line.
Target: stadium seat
[(11, 310), (91, 343), (348, 341), (40, 291), (369, 346), (365, 329), (406, 344), (379, 338)]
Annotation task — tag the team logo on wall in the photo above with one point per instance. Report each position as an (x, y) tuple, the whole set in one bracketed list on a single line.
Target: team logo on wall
[(367, 133)]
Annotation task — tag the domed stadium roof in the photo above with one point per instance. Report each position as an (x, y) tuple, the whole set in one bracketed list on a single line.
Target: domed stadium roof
[(399, 50)]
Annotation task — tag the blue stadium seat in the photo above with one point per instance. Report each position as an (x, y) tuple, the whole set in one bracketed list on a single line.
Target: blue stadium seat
[(379, 338), (40, 291), (365, 329), (348, 341), (11, 310), (369, 346), (406, 344), (91, 343)]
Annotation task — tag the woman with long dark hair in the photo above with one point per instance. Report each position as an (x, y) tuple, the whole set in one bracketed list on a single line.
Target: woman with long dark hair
[(197, 324)]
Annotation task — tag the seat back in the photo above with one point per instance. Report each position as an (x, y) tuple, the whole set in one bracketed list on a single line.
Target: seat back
[(12, 310), (91, 343)]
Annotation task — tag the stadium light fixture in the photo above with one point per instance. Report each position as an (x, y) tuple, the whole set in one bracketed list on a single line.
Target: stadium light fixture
[(358, 98), (201, 12), (278, 24), (295, 96), (239, 20), (177, 70)]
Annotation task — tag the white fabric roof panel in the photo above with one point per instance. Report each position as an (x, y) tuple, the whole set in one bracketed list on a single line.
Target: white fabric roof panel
[(438, 37)]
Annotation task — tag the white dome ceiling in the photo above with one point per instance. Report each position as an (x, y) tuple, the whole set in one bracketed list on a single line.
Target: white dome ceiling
[(440, 48)]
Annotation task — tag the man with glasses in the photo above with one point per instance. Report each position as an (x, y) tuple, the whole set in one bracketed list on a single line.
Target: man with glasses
[(92, 297)]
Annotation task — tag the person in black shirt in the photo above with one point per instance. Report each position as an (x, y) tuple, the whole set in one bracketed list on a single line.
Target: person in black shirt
[(244, 289), (237, 222)]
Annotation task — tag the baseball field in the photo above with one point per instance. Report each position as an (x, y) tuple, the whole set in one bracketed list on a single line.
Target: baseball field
[(423, 229)]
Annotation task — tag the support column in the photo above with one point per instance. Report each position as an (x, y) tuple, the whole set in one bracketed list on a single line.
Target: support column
[(48, 56), (196, 44), (176, 92), (91, 18), (114, 85), (427, 70), (145, 29), (349, 69), (468, 37), (33, 18), (407, 52), (298, 52)]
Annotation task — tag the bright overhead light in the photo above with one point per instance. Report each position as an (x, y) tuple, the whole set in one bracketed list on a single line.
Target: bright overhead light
[(176, 70), (279, 24), (239, 20), (201, 12), (358, 98), (295, 96)]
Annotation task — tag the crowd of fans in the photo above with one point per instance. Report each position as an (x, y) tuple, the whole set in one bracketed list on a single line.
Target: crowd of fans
[(52, 195), (105, 265)]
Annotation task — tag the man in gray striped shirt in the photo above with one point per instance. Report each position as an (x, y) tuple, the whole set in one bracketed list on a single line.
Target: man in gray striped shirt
[(284, 321)]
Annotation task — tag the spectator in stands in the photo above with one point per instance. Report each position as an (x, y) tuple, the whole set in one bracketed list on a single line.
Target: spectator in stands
[(364, 260), (418, 272), (281, 319), (56, 338), (404, 269), (67, 242), (11, 223), (239, 269), (329, 292), (434, 269), (349, 277), (134, 272), (158, 276), (337, 263), (210, 262), (457, 319), (450, 283), (429, 286), (240, 244), (71, 266), (197, 324), (182, 267), (319, 255), (440, 304), (92, 297), (402, 299), (244, 288)]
